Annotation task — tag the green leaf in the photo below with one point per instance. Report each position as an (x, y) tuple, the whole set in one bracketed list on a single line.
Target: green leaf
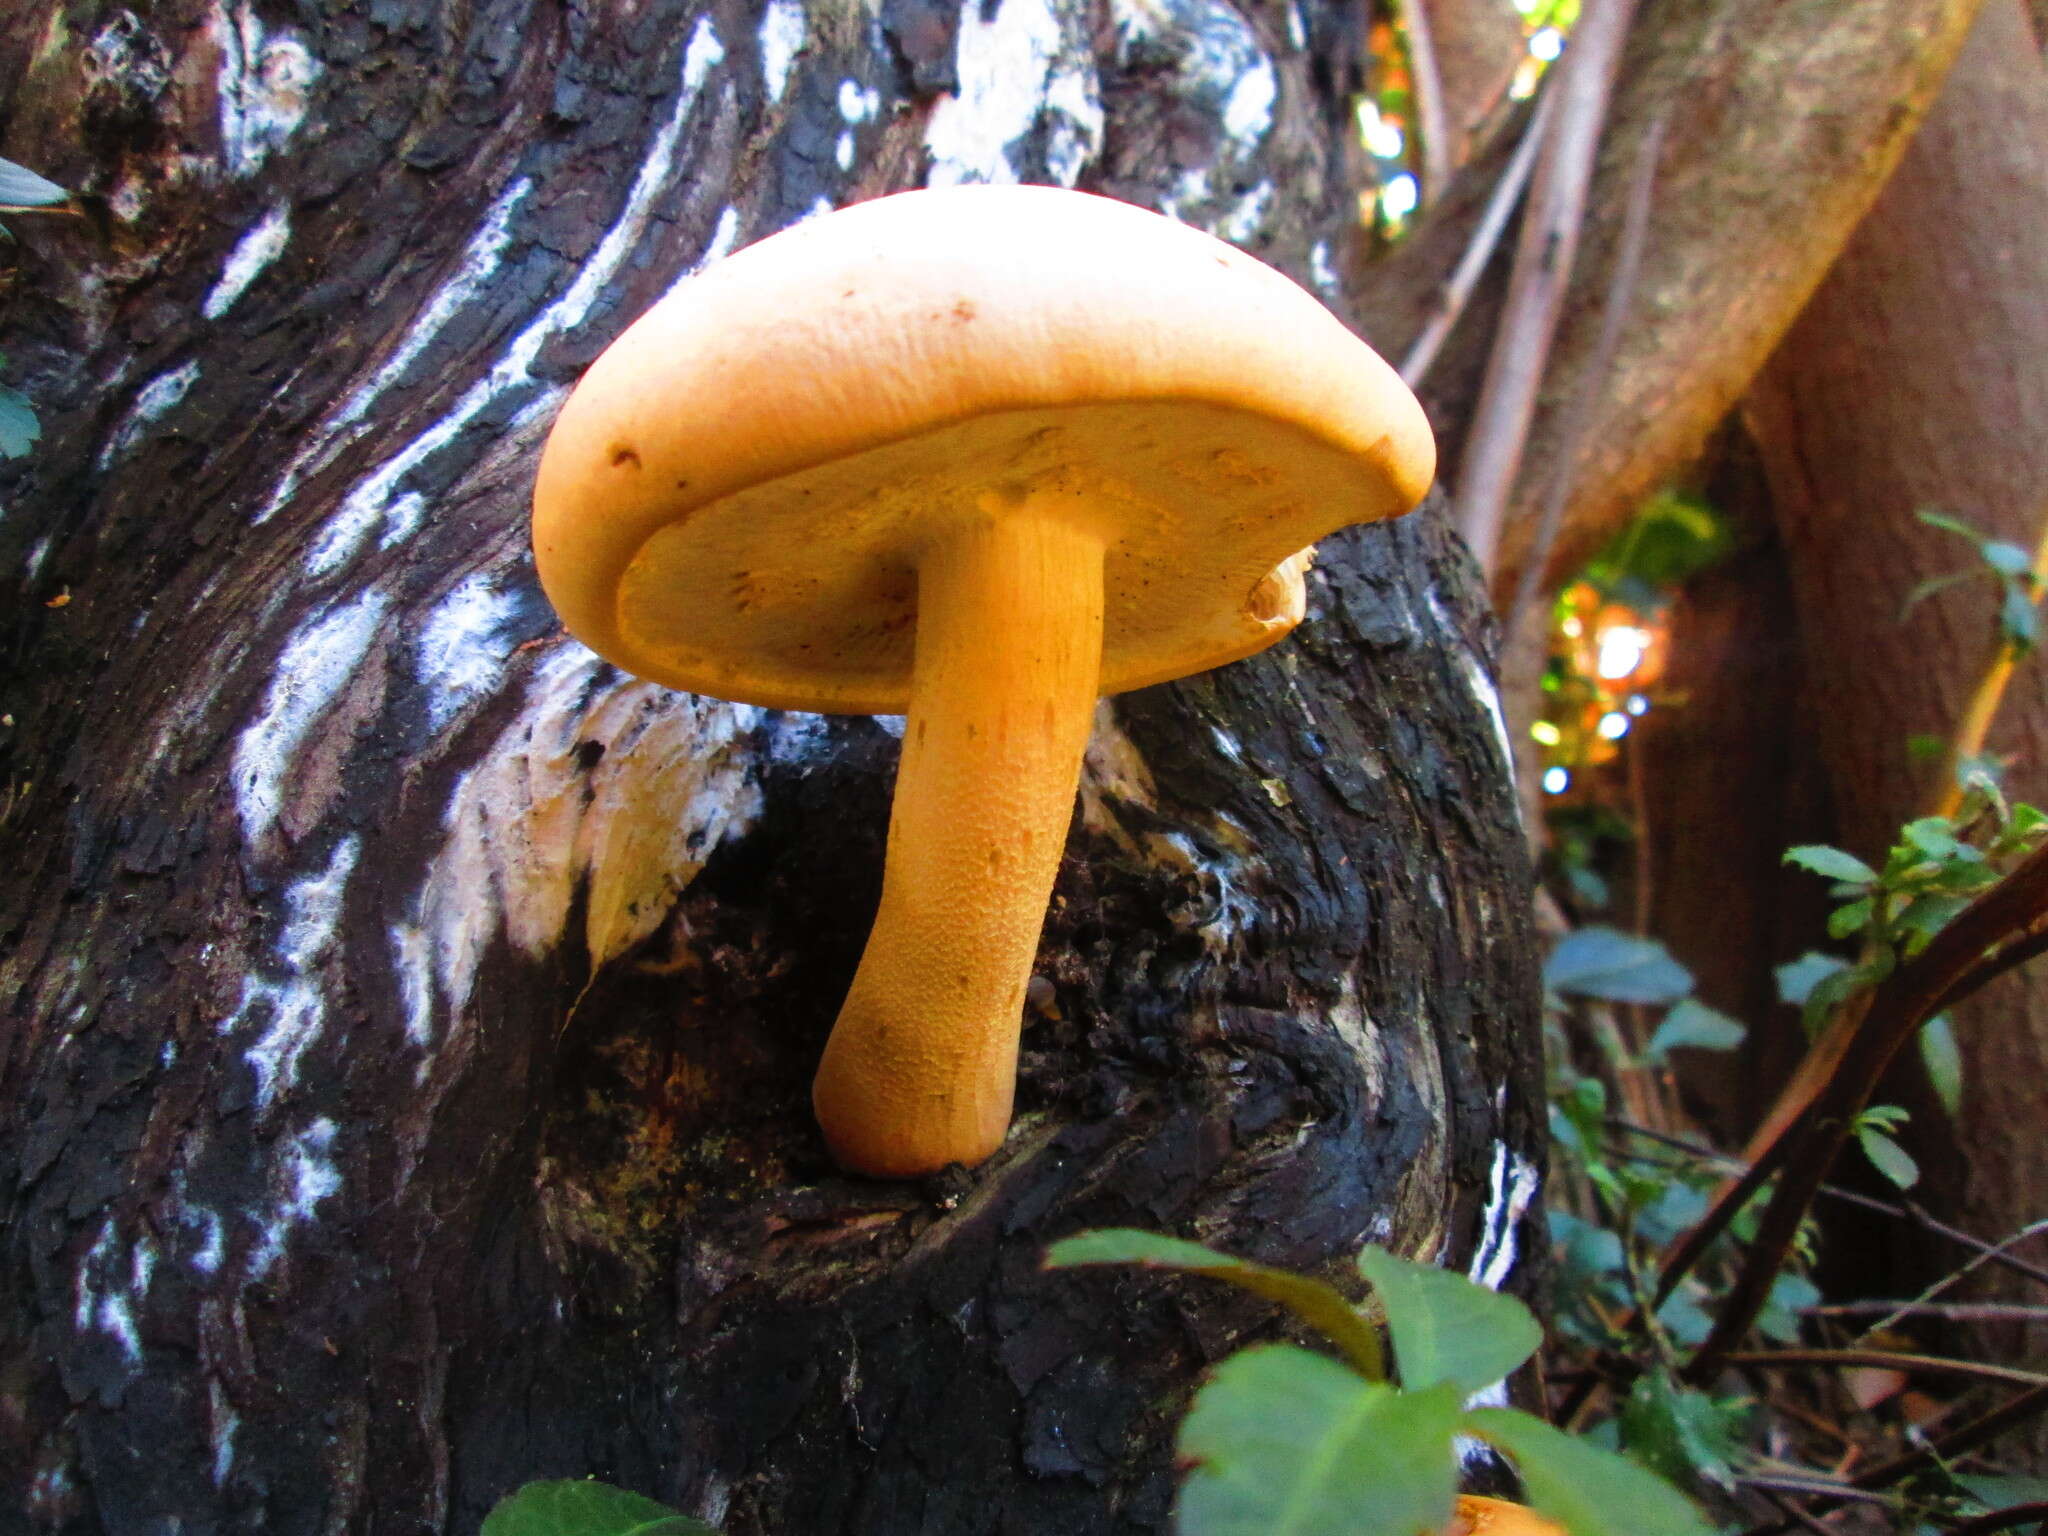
[(21, 187), (1853, 918), (1590, 1491), (1798, 978), (1932, 835), (1446, 1328), (1943, 1061), (1287, 1442), (1695, 1026), (2000, 1491), (1684, 1318), (2006, 559), (1678, 1432), (1621, 967), (1949, 524), (1890, 1159), (1790, 1295), (586, 1509), (19, 429), (2018, 623), (1322, 1307), (1926, 589), (1584, 1248), (1831, 864)]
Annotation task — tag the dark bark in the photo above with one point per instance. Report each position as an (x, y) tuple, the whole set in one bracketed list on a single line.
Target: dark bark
[(408, 1019)]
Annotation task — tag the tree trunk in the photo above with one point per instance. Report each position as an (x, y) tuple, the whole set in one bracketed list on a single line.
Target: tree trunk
[(1781, 122), (406, 1020), (1909, 383)]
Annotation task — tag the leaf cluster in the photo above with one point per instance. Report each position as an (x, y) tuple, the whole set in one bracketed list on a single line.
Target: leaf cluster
[(1285, 1441)]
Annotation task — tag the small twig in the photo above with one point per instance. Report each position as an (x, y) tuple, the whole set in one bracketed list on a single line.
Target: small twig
[(1783, 1503), (1948, 1311), (1456, 291), (1887, 1359), (1956, 1276), (1542, 271), (1431, 120), (2004, 1519), (1812, 1487)]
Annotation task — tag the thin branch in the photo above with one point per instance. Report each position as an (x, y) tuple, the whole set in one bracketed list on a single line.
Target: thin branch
[(1431, 120), (1536, 288), (1456, 291), (1635, 229), (1956, 1276), (1979, 1431), (1890, 1360), (1947, 1311)]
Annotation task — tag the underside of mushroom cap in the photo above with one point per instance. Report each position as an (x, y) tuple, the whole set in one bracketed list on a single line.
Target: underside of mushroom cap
[(735, 498)]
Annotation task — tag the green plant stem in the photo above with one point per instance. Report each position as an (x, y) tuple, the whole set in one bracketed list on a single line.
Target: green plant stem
[(1975, 727)]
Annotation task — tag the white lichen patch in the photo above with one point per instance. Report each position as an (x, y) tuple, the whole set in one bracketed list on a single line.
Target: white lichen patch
[(309, 674), (1511, 1186), (1472, 666), (1248, 110), (781, 39), (481, 258), (461, 651), (252, 253), (303, 1175), (287, 1006), (1348, 1019), (377, 499), (106, 1290), (1247, 214), (1113, 771), (621, 788), (1016, 76), (222, 1422), (1234, 913), (1320, 271), (264, 87), (155, 398)]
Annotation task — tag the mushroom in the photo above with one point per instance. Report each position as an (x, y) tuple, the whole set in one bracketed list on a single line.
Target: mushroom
[(1480, 1516), (978, 455)]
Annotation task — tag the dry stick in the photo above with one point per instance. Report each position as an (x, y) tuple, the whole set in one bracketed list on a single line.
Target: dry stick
[(1542, 271), (1948, 1311), (1897, 1008), (1956, 1276), (1993, 1253), (1890, 1360), (1431, 120), (1456, 291)]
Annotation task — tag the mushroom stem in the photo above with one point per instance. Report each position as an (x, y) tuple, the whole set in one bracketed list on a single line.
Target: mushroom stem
[(921, 1066)]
